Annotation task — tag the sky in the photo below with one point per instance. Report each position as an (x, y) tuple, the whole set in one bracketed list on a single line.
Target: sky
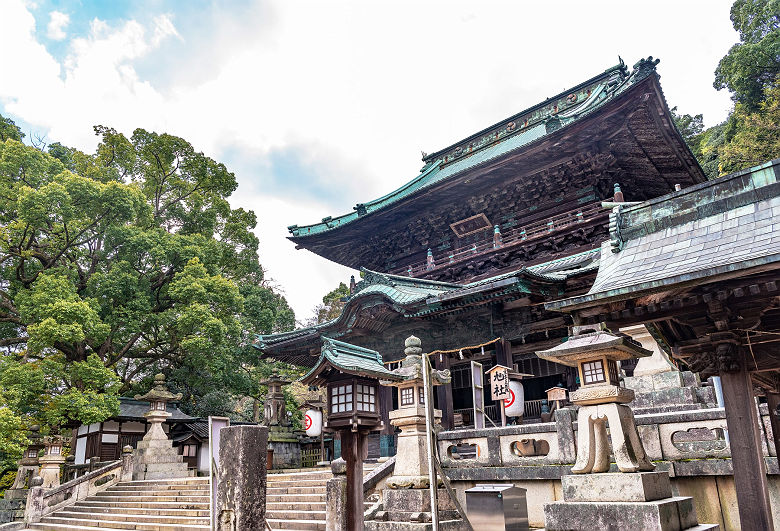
[(319, 105)]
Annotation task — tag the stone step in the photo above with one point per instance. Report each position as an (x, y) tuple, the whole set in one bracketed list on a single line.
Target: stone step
[(118, 491), (274, 523), (150, 498), (298, 483), (196, 480), (54, 523), (281, 498), (295, 515), (94, 502), (135, 518), (294, 506), (316, 469), (159, 488), (168, 511), (295, 490)]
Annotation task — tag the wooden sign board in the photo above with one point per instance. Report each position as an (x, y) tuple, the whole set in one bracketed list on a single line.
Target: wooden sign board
[(556, 393), (499, 382)]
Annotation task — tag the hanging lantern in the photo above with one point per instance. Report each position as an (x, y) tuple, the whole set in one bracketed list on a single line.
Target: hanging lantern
[(514, 406), (312, 422)]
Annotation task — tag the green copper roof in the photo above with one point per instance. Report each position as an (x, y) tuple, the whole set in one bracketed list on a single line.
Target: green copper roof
[(349, 359), (504, 137), (418, 297)]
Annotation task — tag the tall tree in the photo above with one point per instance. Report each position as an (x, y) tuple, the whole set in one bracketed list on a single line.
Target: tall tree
[(751, 66), (132, 257)]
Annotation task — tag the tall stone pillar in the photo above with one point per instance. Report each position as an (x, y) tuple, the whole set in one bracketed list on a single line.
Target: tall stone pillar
[(241, 483)]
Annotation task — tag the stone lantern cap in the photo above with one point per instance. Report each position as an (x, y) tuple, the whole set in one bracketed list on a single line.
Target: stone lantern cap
[(159, 391), (411, 367), (275, 379), (599, 344)]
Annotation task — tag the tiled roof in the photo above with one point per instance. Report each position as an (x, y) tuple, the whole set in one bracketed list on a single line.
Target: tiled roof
[(136, 409), (499, 139), (350, 359), (412, 292), (691, 236)]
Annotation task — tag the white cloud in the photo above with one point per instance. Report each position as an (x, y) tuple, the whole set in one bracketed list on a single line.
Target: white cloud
[(358, 88), (58, 21)]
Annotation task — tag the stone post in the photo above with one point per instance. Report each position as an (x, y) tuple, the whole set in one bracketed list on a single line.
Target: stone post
[(33, 511), (241, 481), (127, 463), (564, 426), (336, 497)]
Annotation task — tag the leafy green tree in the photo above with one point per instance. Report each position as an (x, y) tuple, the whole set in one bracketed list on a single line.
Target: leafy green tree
[(131, 258), (756, 137), (332, 304), (9, 130), (751, 66)]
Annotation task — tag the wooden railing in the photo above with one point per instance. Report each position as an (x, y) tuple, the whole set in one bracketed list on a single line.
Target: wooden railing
[(310, 458), (514, 236)]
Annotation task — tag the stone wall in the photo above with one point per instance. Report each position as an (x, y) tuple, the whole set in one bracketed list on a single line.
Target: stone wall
[(11, 510), (689, 445)]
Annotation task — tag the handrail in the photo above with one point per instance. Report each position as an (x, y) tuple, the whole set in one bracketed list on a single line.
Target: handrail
[(511, 237), (41, 502), (378, 474), (81, 479)]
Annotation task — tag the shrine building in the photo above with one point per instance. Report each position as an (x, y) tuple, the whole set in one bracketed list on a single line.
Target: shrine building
[(466, 254)]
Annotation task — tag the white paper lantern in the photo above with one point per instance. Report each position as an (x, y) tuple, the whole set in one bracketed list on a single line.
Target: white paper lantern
[(312, 422), (514, 406)]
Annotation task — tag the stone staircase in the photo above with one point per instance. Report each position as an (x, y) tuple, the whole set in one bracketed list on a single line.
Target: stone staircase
[(151, 505), (295, 499)]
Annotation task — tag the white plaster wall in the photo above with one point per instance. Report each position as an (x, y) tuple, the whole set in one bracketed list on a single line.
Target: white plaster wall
[(81, 450)]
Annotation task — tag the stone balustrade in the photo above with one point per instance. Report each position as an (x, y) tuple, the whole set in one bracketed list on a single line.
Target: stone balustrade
[(690, 445), (678, 438), (42, 501)]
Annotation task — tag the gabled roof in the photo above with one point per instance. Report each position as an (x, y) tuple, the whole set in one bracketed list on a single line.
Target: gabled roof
[(349, 359), (694, 236), (130, 408), (509, 135)]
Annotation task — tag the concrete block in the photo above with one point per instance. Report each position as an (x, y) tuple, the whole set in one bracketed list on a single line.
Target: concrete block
[(670, 514), (620, 487)]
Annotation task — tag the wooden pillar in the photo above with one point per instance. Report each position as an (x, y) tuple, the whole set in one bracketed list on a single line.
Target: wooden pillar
[(444, 393), (772, 401), (353, 450), (504, 353), (747, 459)]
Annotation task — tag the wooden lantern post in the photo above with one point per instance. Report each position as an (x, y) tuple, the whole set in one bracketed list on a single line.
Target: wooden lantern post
[(351, 375)]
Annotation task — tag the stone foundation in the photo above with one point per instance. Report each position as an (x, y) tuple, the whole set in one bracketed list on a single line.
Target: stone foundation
[(287, 452), (11, 510)]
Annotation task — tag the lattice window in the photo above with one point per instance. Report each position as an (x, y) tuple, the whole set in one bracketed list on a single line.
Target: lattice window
[(593, 372), (366, 398), (407, 396), (421, 398), (341, 399)]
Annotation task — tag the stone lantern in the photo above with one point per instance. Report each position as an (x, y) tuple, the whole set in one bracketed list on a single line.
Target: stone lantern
[(593, 498), (411, 465), (275, 409), (28, 465), (155, 456), (350, 375), (51, 461), (603, 401)]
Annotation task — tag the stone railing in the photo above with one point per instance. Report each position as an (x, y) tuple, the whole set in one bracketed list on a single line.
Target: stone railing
[(41, 502), (686, 443)]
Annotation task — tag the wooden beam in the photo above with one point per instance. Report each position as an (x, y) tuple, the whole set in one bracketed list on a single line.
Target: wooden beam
[(747, 460)]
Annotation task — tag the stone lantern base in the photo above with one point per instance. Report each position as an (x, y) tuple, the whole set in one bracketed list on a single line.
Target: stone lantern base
[(616, 501), (410, 509)]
